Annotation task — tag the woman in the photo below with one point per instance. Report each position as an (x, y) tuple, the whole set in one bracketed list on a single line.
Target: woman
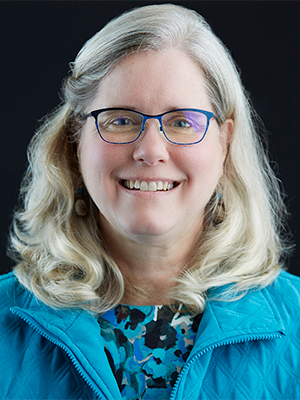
[(149, 253)]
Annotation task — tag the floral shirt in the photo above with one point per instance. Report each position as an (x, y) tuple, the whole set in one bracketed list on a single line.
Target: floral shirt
[(147, 347)]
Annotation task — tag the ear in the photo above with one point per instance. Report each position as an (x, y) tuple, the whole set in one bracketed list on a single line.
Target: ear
[(226, 132)]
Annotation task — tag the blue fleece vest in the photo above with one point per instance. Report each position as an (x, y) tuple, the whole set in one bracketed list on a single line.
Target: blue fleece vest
[(244, 349)]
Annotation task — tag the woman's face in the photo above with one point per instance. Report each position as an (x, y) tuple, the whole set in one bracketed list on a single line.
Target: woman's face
[(152, 83)]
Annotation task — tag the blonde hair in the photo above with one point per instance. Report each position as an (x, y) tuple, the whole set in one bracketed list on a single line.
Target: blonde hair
[(62, 258)]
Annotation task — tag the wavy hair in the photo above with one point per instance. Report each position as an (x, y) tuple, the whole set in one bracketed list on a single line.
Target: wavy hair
[(62, 258)]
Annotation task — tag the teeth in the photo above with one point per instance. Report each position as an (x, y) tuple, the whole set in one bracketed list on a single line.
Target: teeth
[(144, 186), (136, 184), (151, 187)]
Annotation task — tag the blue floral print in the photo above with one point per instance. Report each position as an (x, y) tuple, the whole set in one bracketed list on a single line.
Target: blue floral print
[(147, 347)]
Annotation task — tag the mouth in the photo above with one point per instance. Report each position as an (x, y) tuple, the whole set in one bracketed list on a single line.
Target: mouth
[(150, 186)]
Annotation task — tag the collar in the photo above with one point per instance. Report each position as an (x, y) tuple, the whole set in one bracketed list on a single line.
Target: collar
[(253, 316)]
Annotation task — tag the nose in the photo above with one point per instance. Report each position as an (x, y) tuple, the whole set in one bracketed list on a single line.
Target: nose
[(152, 147)]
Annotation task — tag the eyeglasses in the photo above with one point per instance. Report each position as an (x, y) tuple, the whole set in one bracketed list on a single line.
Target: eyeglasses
[(185, 126)]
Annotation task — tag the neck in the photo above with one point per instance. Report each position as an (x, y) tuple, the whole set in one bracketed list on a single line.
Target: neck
[(150, 265), (149, 275)]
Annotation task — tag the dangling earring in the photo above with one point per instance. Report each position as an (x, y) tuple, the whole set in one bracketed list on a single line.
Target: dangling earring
[(80, 205)]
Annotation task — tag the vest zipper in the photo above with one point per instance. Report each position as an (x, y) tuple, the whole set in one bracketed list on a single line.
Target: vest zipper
[(34, 325), (214, 346)]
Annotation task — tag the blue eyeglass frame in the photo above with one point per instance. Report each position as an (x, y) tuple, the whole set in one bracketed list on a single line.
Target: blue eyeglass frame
[(95, 114)]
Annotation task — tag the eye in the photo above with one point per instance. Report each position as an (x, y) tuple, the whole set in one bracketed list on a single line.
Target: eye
[(181, 123), (184, 122), (121, 121), (118, 120)]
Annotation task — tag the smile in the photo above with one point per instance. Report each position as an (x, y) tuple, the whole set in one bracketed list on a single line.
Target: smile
[(152, 186)]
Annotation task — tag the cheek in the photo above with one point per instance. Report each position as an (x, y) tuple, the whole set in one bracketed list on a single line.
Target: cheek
[(207, 162), (93, 162), (94, 166), (96, 156), (99, 165)]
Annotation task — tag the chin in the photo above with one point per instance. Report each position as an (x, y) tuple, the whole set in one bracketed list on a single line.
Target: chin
[(148, 229)]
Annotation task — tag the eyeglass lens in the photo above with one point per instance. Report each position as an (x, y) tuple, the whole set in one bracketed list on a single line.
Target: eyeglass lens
[(180, 126)]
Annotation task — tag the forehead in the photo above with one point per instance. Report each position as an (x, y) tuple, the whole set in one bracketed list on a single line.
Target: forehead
[(152, 78)]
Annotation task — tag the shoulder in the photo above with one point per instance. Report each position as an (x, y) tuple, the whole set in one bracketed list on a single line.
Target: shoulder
[(14, 334), (7, 279), (13, 296), (285, 293), (287, 281), (33, 354), (12, 293)]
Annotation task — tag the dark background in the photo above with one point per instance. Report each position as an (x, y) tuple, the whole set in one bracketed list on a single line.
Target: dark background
[(39, 39)]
